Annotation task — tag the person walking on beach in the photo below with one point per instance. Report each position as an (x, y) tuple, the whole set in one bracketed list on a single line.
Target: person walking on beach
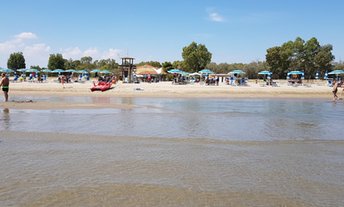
[(335, 90), (5, 82)]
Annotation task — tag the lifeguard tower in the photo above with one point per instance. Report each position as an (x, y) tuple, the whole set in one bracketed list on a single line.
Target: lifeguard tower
[(127, 69)]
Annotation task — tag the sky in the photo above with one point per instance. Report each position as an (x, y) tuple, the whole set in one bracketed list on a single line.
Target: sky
[(234, 31)]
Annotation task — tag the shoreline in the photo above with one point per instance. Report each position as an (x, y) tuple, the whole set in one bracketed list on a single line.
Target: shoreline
[(22, 93)]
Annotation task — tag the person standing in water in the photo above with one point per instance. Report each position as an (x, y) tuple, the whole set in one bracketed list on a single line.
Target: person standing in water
[(5, 83), (335, 90)]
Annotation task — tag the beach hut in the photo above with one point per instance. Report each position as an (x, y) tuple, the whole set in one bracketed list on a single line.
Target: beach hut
[(146, 70)]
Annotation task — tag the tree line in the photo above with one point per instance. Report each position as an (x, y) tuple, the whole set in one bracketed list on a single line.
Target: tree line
[(307, 56)]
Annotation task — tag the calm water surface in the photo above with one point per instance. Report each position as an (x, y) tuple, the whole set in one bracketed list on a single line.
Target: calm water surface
[(174, 152), (224, 119)]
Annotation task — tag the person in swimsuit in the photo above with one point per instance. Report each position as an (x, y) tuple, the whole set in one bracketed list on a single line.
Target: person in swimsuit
[(5, 82), (335, 90)]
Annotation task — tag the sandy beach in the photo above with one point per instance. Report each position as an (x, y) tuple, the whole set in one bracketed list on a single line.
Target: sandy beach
[(161, 89)]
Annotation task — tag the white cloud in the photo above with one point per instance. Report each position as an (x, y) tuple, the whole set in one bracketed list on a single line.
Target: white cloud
[(76, 53), (25, 36), (73, 53), (92, 52), (111, 54), (34, 53), (37, 53), (216, 17)]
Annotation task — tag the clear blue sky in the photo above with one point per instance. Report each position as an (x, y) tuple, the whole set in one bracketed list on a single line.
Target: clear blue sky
[(232, 30)]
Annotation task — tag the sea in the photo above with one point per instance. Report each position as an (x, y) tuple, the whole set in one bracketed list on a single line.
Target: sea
[(174, 152)]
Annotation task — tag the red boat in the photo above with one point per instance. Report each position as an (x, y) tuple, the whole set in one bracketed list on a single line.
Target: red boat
[(101, 86)]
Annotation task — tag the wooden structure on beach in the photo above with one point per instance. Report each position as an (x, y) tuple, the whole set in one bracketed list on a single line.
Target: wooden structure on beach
[(127, 69)]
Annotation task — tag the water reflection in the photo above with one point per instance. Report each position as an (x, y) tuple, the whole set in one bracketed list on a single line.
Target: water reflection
[(224, 119), (5, 119)]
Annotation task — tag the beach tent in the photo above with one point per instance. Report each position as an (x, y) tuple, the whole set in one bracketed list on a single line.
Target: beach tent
[(160, 71), (146, 70)]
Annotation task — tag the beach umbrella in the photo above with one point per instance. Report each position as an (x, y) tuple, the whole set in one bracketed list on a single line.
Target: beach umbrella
[(237, 72), (22, 70), (6, 70), (95, 71), (31, 70), (175, 71), (264, 72), (58, 71), (70, 70), (206, 71), (105, 72), (336, 72), (46, 70), (195, 74), (82, 71), (296, 72)]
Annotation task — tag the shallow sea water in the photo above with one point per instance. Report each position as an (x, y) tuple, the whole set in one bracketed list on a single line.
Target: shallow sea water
[(174, 152)]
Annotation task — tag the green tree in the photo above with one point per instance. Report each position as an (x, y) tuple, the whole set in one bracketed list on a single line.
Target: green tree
[(152, 63), (86, 63), (307, 56), (178, 64), (196, 57), (324, 58), (56, 61), (167, 65), (16, 61)]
